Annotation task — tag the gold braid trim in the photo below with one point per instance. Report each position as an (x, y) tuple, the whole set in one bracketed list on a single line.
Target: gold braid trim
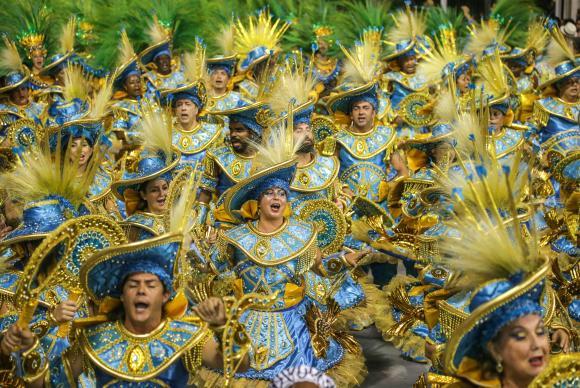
[(193, 357), (540, 115)]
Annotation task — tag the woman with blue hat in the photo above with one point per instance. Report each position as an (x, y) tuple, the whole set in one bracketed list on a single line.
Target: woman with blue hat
[(148, 171), (270, 253), (20, 114)]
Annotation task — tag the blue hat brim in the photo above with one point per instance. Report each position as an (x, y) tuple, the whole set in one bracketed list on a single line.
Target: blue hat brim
[(44, 217), (195, 89), (102, 274), (245, 190), (123, 71), (147, 56), (119, 187), (341, 102), (572, 71), (51, 67), (228, 62), (18, 84), (467, 336), (398, 53)]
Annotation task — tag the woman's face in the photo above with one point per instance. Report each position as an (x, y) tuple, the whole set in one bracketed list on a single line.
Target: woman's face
[(155, 194), (272, 204), (523, 348), (496, 118), (463, 82), (81, 151), (37, 59)]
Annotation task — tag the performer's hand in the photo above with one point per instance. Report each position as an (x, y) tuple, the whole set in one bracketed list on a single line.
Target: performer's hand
[(16, 339), (65, 311), (353, 258), (561, 338), (212, 311)]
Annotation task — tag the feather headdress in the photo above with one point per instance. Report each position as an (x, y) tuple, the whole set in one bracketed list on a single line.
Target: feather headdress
[(485, 35), (293, 84), (493, 78), (158, 32), (225, 40), (558, 49), (438, 62), (259, 31), (537, 38), (67, 36), (126, 51), (364, 59), (75, 84), (409, 24), (194, 62), (10, 60), (42, 173), (155, 128)]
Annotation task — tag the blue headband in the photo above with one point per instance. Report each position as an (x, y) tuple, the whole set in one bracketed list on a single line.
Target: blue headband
[(147, 267), (370, 99), (186, 96), (270, 183), (162, 52)]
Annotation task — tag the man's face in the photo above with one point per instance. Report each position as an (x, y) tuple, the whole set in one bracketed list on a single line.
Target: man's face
[(219, 79), (143, 298), (59, 78), (568, 89), (303, 132), (185, 111), (20, 95), (362, 115), (133, 86), (239, 136), (13, 212), (408, 63), (323, 46), (163, 63)]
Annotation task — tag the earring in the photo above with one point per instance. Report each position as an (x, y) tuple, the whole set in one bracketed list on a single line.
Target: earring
[(499, 367)]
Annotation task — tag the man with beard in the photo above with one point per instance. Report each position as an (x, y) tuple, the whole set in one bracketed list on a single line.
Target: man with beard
[(226, 165)]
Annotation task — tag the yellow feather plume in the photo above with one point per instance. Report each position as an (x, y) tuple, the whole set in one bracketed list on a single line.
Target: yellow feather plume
[(42, 173), (493, 76), (408, 25), (261, 30), (100, 103), (156, 32), (194, 63), (67, 36), (470, 129), (558, 49), (75, 84), (10, 58), (445, 108), (278, 146), (294, 83), (443, 54), (155, 128), (537, 38), (364, 59), (225, 39), (485, 34), (126, 51)]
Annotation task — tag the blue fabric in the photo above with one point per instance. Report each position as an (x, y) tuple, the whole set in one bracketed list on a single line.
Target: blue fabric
[(225, 64), (271, 183), (303, 116), (150, 56), (14, 78), (39, 218), (61, 112), (149, 164), (106, 278), (254, 56), (131, 69)]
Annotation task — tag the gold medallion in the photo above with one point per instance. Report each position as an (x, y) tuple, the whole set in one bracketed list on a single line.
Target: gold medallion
[(136, 359), (236, 168)]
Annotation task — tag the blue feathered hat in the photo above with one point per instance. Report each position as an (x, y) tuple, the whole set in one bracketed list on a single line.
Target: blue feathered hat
[(342, 102), (227, 63), (104, 273), (254, 116), (124, 71), (152, 52), (194, 91), (15, 80)]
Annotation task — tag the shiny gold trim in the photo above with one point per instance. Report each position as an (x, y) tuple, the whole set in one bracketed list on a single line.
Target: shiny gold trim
[(314, 163), (225, 170), (364, 136), (151, 48), (485, 309), (88, 350), (45, 69), (306, 246), (559, 77), (268, 234), (19, 83), (195, 130), (229, 112)]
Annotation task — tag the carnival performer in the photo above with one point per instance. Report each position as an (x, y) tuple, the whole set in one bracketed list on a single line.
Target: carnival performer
[(20, 116), (147, 174), (244, 253), (256, 42), (128, 92), (193, 133), (164, 72), (228, 164)]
